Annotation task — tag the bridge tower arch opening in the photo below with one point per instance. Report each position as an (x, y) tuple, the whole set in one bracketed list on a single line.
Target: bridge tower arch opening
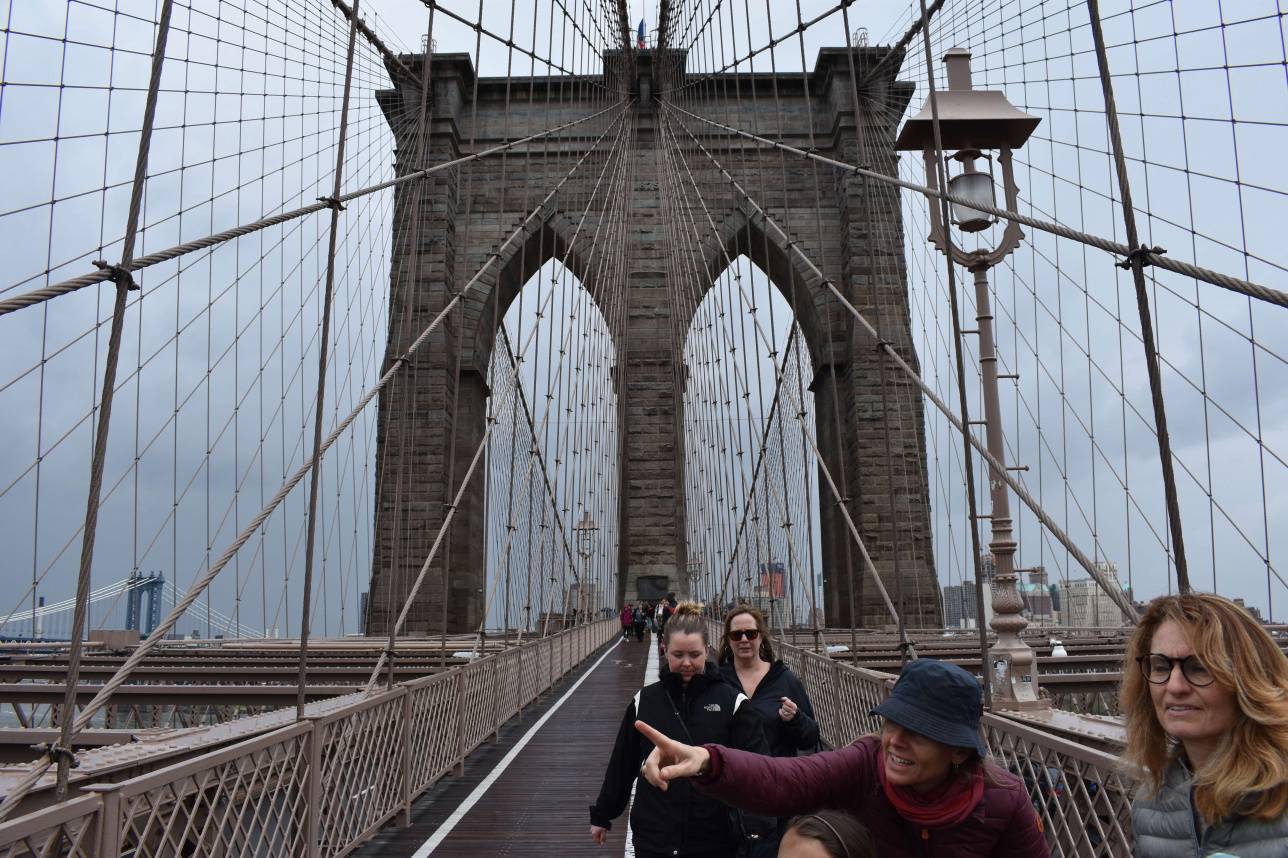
[(751, 502), (550, 528)]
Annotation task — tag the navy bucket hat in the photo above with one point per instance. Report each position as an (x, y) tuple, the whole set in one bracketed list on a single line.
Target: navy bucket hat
[(938, 700)]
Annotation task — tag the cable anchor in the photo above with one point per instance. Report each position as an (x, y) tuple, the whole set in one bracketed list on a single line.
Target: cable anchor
[(56, 753), (1142, 255), (119, 275)]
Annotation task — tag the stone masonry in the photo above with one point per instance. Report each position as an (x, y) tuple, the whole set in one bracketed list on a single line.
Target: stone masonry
[(445, 230)]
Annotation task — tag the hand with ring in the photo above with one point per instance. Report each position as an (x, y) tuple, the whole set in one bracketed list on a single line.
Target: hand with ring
[(787, 709)]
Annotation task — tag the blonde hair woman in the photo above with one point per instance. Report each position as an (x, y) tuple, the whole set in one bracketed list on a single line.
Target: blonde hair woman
[(1205, 695)]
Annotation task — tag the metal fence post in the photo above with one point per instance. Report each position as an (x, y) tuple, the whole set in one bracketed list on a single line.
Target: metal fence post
[(460, 721), (108, 839), (404, 814), (496, 699), (313, 793)]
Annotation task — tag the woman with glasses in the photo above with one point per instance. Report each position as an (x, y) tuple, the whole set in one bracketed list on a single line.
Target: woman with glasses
[(1205, 696), (747, 663), (690, 702)]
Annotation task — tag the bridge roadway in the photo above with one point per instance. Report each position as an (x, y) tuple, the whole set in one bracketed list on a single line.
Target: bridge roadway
[(528, 793)]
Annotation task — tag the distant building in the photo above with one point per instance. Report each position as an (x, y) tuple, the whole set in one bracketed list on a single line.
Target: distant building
[(959, 606), (774, 609), (1085, 605), (573, 600), (1251, 609), (1039, 598)]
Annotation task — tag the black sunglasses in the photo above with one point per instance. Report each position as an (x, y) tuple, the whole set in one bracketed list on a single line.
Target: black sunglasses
[(741, 634), (1158, 669)]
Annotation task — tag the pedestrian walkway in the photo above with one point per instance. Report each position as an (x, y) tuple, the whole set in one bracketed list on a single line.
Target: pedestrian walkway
[(528, 793)]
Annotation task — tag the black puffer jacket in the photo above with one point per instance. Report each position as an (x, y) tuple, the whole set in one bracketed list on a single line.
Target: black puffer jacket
[(680, 821), (785, 738)]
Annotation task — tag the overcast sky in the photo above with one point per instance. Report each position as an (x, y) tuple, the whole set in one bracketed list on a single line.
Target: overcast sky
[(216, 416)]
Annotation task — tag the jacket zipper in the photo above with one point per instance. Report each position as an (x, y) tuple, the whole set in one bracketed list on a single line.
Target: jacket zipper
[(684, 816)]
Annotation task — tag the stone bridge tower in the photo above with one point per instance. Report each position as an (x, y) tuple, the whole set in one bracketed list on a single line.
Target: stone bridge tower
[(854, 234)]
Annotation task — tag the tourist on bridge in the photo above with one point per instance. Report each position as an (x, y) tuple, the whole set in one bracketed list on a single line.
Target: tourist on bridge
[(924, 787), (639, 620), (747, 663), (689, 701), (826, 834), (627, 620), (1205, 695)]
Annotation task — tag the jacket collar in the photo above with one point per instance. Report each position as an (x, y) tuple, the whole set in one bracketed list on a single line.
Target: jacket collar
[(730, 672), (671, 681)]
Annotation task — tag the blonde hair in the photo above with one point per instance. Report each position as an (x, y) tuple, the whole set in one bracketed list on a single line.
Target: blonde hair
[(686, 619), (1248, 774), (766, 648)]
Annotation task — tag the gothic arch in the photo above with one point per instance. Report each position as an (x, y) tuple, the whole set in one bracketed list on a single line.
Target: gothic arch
[(742, 234), (555, 237)]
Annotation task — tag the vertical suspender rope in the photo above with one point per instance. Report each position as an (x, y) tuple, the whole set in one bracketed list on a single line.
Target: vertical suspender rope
[(1136, 263), (324, 345), (62, 751), (967, 462)]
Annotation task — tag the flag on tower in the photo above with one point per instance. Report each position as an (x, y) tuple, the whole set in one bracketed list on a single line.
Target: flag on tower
[(639, 36)]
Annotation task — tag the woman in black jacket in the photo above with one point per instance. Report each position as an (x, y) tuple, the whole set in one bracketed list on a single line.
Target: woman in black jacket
[(747, 663), (693, 704)]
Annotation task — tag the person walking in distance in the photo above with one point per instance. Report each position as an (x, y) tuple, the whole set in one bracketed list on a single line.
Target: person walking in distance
[(639, 620), (690, 701)]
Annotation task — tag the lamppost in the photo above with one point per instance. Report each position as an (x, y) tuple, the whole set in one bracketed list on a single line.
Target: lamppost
[(585, 530), (693, 575), (974, 122)]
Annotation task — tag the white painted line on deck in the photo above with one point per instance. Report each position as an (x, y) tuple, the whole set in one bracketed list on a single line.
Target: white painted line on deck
[(650, 673), (440, 834)]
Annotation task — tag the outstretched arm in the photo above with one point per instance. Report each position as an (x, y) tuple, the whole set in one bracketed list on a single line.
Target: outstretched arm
[(774, 786)]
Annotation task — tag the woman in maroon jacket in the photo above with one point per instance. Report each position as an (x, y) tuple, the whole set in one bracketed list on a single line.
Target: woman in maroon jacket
[(923, 787)]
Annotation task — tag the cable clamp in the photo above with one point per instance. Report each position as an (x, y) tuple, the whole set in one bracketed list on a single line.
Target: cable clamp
[(120, 276), (56, 753), (1142, 255), (883, 344), (333, 203)]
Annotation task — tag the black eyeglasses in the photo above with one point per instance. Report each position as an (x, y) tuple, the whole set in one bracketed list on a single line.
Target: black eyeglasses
[(1158, 669), (741, 634)]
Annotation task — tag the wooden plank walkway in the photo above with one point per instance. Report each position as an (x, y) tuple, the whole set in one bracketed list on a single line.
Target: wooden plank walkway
[(538, 805)]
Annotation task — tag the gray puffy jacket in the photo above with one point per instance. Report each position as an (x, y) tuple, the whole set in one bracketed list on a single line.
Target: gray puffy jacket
[(1167, 826)]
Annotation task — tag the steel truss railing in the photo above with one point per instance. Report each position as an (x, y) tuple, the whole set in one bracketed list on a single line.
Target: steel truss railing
[(319, 787), (1082, 795)]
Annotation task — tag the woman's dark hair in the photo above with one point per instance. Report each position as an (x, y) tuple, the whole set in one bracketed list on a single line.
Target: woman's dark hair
[(766, 648), (841, 835)]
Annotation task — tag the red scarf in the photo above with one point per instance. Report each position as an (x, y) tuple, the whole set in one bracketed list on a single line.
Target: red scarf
[(945, 805)]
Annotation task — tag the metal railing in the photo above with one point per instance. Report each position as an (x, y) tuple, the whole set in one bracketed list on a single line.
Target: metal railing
[(1082, 795), (319, 787)]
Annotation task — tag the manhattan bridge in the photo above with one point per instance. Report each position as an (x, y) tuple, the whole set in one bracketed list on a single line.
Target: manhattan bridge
[(360, 359)]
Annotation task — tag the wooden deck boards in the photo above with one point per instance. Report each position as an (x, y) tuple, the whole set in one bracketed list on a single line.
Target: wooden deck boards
[(537, 806)]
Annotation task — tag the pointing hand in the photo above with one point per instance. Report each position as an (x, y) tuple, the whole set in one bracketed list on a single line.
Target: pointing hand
[(670, 759)]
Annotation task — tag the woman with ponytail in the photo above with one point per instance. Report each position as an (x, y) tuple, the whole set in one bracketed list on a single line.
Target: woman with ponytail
[(690, 702)]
